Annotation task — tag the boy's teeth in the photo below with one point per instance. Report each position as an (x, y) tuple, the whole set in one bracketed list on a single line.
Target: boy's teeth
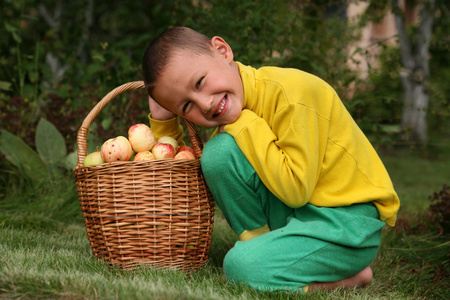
[(220, 108)]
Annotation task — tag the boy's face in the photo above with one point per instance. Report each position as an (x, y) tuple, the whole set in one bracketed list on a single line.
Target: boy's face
[(204, 89)]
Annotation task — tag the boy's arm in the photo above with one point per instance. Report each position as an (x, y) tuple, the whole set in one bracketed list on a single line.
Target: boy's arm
[(291, 180), (159, 112), (164, 123)]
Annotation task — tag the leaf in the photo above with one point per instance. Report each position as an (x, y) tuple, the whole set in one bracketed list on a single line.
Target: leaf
[(64, 91), (13, 30), (27, 161), (318, 68), (106, 122), (357, 50), (10, 28), (71, 161), (50, 143), (5, 85)]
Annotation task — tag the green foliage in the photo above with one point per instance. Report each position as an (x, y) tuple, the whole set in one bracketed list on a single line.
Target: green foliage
[(254, 29), (59, 70), (440, 209), (439, 110), (58, 58), (25, 159), (44, 164), (50, 145), (285, 34), (377, 104)]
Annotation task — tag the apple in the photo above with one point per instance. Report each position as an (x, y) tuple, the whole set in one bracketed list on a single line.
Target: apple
[(161, 150), (184, 155), (116, 149), (144, 155), (169, 140), (94, 158), (186, 148), (141, 137)]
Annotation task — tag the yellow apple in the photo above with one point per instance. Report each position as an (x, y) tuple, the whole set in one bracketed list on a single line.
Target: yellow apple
[(144, 155), (141, 137)]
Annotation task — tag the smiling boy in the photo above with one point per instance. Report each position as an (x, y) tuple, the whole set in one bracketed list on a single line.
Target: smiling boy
[(293, 174)]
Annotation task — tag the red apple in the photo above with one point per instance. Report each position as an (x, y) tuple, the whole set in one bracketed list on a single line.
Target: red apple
[(116, 149), (94, 158), (186, 148), (141, 137), (184, 155), (161, 150), (144, 155)]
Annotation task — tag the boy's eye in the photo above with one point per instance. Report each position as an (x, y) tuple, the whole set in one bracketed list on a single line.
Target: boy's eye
[(185, 107), (197, 85)]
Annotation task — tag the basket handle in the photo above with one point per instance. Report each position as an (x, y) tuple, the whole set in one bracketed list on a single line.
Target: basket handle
[(197, 144)]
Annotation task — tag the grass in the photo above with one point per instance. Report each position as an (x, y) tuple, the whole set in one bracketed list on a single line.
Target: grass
[(45, 254)]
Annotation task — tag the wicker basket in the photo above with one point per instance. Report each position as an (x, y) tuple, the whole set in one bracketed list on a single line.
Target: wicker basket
[(154, 213)]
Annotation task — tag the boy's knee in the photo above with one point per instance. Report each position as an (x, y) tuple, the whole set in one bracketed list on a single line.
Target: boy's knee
[(242, 265), (237, 265), (218, 153)]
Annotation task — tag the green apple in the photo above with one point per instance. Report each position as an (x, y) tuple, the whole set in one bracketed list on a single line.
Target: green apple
[(94, 158)]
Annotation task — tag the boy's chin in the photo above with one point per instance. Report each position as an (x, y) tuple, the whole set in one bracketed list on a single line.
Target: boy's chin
[(207, 126)]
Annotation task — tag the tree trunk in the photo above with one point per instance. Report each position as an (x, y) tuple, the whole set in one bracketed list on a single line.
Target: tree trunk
[(415, 104), (414, 51)]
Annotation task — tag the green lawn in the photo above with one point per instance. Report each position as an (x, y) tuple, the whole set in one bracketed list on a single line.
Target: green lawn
[(45, 254)]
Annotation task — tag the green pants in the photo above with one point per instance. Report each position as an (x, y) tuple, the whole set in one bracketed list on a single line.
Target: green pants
[(305, 245)]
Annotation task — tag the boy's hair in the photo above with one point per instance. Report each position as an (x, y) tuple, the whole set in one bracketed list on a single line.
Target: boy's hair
[(164, 46)]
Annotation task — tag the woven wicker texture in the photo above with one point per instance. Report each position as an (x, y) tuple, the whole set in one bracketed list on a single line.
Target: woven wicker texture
[(154, 213)]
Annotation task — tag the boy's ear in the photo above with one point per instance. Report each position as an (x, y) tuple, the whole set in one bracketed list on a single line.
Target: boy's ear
[(222, 47)]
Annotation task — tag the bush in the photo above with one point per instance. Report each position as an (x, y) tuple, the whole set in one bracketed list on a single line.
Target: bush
[(439, 211)]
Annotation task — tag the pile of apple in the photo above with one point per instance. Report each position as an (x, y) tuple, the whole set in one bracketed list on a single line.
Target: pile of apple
[(140, 145)]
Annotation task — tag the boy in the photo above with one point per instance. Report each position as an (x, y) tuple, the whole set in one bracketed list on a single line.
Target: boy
[(295, 177)]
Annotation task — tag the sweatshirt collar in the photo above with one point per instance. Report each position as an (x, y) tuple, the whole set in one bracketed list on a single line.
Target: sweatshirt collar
[(247, 74)]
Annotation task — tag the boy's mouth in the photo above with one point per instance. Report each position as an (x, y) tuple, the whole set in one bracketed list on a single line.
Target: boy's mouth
[(220, 106)]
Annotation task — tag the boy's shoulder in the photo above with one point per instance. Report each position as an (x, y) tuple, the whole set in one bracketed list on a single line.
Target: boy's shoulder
[(286, 72), (293, 84), (269, 71), (282, 75), (291, 77)]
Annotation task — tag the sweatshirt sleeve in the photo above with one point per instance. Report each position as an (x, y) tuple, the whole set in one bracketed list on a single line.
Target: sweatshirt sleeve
[(171, 127), (291, 180)]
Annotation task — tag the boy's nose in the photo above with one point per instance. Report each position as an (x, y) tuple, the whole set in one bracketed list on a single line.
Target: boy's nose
[(205, 104)]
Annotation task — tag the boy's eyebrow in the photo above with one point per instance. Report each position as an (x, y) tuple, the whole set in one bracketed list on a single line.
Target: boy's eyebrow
[(192, 80)]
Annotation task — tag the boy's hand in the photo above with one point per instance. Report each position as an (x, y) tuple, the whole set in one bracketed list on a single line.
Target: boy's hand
[(158, 112)]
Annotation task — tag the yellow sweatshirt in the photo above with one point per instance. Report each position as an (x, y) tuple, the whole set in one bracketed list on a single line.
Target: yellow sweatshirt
[(305, 146)]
